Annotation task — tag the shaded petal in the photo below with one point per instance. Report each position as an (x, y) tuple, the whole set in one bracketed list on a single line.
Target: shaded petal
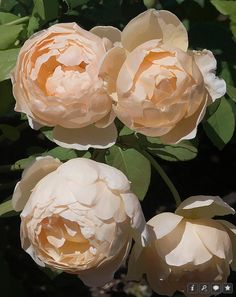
[(231, 229), (33, 124), (134, 211), (153, 24), (203, 207), (30, 177), (207, 65), (110, 32), (164, 223), (84, 138), (186, 128), (111, 66), (104, 273), (114, 178), (214, 237), (189, 250), (106, 121)]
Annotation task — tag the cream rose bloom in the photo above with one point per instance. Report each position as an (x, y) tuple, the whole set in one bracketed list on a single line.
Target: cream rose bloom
[(79, 217), (187, 247), (159, 87), (56, 83)]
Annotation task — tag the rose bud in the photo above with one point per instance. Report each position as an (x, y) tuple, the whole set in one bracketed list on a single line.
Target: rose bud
[(187, 247), (159, 87), (80, 217)]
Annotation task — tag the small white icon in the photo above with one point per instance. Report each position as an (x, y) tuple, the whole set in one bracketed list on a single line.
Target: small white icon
[(227, 288), (192, 288), (216, 287), (204, 288)]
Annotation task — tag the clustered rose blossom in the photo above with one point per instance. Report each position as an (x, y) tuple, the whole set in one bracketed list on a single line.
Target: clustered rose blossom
[(186, 247), (77, 81), (56, 83), (79, 217), (159, 87)]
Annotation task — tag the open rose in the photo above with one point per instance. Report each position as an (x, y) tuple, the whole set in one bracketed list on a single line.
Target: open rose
[(187, 247), (56, 83), (80, 217), (159, 87)]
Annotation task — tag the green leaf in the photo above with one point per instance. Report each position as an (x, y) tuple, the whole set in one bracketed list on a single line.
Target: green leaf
[(125, 131), (46, 10), (231, 91), (34, 24), (10, 132), (220, 126), (227, 7), (23, 163), (47, 133), (150, 3), (134, 165), (183, 151), (6, 99), (6, 17), (7, 61), (9, 35), (43, 12), (7, 5), (61, 153), (5, 207)]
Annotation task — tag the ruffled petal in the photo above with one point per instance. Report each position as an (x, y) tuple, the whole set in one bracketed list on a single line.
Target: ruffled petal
[(30, 177), (207, 65), (153, 24), (199, 207), (84, 138)]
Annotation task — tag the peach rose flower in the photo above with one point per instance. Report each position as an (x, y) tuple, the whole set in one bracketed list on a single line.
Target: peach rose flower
[(79, 217), (56, 83), (187, 247), (159, 87)]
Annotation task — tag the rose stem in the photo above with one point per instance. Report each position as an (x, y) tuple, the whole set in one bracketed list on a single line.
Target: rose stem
[(18, 21), (164, 176)]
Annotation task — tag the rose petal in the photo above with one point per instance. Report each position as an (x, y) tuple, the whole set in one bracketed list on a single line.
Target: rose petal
[(110, 67), (110, 32), (207, 64), (84, 138), (190, 249), (203, 207), (153, 24), (134, 211), (164, 223), (30, 177), (104, 273), (187, 128), (231, 229), (214, 237)]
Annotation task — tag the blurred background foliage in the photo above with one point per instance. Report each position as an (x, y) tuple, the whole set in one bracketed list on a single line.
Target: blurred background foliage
[(206, 165)]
